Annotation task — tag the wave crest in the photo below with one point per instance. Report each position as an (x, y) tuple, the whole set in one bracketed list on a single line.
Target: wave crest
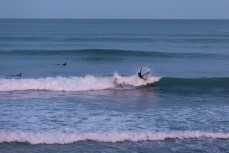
[(88, 82)]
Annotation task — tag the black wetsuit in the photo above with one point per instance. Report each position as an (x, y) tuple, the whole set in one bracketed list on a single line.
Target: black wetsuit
[(140, 74), (17, 75)]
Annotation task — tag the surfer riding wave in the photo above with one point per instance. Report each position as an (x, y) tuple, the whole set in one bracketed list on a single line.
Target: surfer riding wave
[(144, 73)]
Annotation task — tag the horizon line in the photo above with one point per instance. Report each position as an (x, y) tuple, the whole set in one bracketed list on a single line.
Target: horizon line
[(119, 18)]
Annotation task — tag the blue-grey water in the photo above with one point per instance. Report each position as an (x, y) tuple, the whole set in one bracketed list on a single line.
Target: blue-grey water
[(97, 103)]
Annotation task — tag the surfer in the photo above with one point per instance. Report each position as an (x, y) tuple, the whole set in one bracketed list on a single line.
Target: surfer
[(19, 75), (140, 75), (63, 64)]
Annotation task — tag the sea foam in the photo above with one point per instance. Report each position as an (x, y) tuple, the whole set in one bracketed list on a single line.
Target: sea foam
[(88, 82), (113, 136)]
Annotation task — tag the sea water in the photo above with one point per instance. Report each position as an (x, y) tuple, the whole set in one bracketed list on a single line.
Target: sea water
[(97, 103)]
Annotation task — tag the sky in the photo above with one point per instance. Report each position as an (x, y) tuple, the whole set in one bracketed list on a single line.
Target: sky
[(115, 9)]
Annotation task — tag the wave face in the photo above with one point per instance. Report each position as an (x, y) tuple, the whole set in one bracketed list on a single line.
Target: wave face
[(194, 82), (88, 82), (64, 138)]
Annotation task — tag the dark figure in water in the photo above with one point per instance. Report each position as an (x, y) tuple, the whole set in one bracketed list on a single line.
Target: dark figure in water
[(142, 75), (19, 75), (65, 64)]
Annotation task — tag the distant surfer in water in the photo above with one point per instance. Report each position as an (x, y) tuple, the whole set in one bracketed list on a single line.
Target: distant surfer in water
[(19, 75), (65, 64), (140, 75)]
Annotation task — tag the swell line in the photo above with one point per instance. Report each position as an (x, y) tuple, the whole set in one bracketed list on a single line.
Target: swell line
[(113, 53)]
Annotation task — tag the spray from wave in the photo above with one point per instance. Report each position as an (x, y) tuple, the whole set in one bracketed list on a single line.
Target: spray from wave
[(65, 138), (88, 82)]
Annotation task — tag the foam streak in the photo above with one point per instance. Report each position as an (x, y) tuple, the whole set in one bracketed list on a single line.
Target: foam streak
[(64, 138)]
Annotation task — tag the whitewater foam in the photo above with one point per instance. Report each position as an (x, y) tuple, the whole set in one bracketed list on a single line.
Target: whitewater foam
[(88, 82), (66, 138)]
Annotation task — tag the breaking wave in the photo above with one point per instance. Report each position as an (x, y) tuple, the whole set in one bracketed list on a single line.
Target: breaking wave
[(66, 138), (116, 81), (88, 82)]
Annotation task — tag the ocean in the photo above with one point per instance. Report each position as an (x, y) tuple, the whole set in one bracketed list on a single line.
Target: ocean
[(97, 102)]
